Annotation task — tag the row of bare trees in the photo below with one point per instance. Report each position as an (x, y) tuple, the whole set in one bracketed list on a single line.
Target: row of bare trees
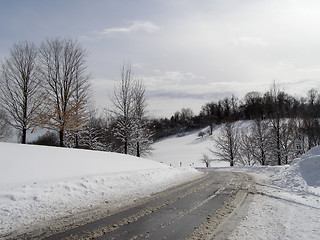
[(48, 87), (280, 128), (45, 86), (261, 142)]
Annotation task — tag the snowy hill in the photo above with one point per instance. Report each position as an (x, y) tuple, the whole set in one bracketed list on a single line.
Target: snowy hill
[(187, 149), (38, 184)]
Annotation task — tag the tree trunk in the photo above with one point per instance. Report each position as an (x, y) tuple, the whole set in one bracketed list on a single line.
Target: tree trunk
[(138, 149), (24, 136), (278, 147), (231, 163), (61, 132), (76, 141), (126, 146), (263, 158)]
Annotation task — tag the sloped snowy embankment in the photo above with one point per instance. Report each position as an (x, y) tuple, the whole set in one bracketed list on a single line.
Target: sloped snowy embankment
[(42, 183), (287, 205)]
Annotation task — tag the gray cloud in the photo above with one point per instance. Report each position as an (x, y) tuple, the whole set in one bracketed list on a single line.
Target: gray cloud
[(187, 96), (137, 25)]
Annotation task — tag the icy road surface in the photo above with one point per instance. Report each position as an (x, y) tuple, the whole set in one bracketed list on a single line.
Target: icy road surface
[(192, 210)]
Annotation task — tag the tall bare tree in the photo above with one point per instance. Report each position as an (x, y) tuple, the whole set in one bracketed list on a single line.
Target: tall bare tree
[(62, 68), (123, 111), (82, 113), (261, 141), (246, 148), (129, 113), (288, 133), (19, 87), (227, 145), (141, 133)]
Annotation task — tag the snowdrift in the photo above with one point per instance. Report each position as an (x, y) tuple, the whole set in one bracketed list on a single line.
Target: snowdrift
[(38, 184), (28, 164), (309, 168), (288, 207)]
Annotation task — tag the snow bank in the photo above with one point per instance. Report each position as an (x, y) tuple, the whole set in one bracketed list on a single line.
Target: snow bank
[(289, 204), (38, 184), (301, 177), (28, 164), (309, 168)]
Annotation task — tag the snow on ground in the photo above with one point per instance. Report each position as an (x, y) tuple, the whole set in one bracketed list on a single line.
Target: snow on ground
[(287, 205), (40, 183), (43, 183), (185, 149)]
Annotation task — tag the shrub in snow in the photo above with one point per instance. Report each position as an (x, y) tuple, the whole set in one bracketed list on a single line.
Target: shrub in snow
[(201, 134)]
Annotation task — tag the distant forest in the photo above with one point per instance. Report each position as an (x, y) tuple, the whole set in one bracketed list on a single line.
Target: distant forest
[(254, 105)]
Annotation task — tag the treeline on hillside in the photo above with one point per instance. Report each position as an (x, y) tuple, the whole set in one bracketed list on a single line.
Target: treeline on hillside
[(254, 105), (281, 127)]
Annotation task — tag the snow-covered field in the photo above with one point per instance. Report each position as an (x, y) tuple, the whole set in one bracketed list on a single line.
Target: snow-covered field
[(41, 183), (185, 149), (38, 184)]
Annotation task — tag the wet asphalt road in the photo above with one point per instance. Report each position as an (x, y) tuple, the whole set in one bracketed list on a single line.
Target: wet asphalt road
[(172, 214)]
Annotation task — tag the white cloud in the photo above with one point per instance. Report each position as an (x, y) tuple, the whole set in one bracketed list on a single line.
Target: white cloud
[(246, 40), (146, 26)]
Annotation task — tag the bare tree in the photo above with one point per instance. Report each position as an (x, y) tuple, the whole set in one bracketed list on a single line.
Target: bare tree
[(288, 130), (91, 137), (19, 88), (246, 148), (62, 68), (123, 111), (206, 160), (312, 94), (82, 114), (129, 113), (227, 144), (141, 133), (186, 114), (261, 141), (5, 130)]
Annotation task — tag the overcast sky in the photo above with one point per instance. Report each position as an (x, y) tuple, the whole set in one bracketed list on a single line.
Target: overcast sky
[(187, 52)]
